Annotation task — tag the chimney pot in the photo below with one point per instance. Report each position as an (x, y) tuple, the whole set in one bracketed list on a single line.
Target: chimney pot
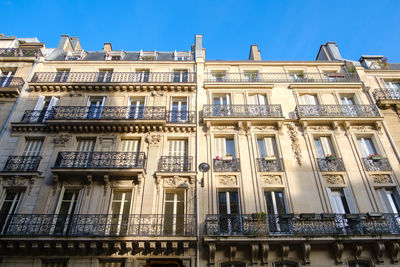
[(107, 47)]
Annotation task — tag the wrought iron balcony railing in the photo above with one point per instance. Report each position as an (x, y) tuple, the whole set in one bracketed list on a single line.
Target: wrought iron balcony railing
[(11, 82), (386, 94), (181, 116), (100, 160), (377, 164), (175, 164), (281, 77), (226, 165), (246, 111), (302, 224), (22, 163), (304, 111), (330, 165), (113, 77), (20, 52), (269, 165), (97, 225)]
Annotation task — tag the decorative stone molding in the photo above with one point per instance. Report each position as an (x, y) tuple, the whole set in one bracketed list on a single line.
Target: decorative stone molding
[(244, 128), (62, 139), (285, 249), (334, 179), (211, 253), (306, 252), (379, 251), (319, 128), (18, 181), (394, 252), (338, 248), (362, 128), (107, 139), (153, 139), (175, 181), (232, 252), (254, 253), (271, 179), (157, 93), (228, 180), (381, 178), (223, 128), (292, 130), (264, 252), (265, 128)]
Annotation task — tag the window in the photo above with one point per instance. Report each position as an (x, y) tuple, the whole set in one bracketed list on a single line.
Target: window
[(266, 147), (120, 210), (258, 99), (6, 77), (324, 147), (54, 263), (95, 107), (32, 147), (393, 88), (143, 75), (86, 144), (341, 200), (233, 264), (43, 108), (225, 148), (66, 208), (309, 99), (174, 212), (136, 107), (275, 202), (218, 76), (180, 76), (179, 109), (130, 145), (359, 264), (221, 105), (111, 263), (390, 198), (366, 146), (333, 76), (105, 75), (9, 205), (229, 211), (62, 75), (251, 76), (296, 76)]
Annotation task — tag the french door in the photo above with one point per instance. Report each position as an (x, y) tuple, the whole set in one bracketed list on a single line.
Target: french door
[(230, 220), (30, 154), (324, 146), (174, 212), (136, 107), (179, 109), (366, 146), (222, 105), (85, 150), (180, 76), (43, 108), (349, 106), (120, 212), (9, 205), (95, 107), (178, 156), (66, 208), (6, 78), (276, 206)]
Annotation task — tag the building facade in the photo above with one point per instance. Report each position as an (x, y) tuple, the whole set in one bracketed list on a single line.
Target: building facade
[(101, 161)]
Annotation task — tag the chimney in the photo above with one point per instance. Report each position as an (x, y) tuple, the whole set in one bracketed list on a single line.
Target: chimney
[(329, 51), (198, 41), (107, 47), (76, 44), (255, 53)]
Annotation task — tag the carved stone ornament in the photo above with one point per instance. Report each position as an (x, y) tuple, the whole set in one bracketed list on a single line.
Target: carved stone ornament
[(104, 139), (271, 179), (293, 134), (381, 178), (223, 128), (175, 181), (153, 139), (265, 128), (62, 139), (319, 128), (227, 180), (17, 181), (334, 179), (362, 128)]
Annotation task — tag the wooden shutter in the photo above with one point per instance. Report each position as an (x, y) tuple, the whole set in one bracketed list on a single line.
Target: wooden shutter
[(326, 145)]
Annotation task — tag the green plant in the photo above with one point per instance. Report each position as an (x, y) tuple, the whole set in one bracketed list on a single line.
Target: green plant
[(147, 58), (352, 69), (300, 74), (383, 63)]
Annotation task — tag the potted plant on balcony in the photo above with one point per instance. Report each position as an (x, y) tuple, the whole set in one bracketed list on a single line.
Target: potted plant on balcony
[(374, 157), (330, 157), (227, 157), (300, 75), (218, 76)]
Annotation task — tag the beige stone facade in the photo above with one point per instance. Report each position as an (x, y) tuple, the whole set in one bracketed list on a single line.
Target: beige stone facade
[(300, 166)]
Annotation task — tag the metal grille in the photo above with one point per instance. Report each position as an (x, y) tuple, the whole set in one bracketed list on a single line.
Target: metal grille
[(269, 165), (22, 163), (330, 165), (337, 111), (381, 164), (242, 111), (20, 52), (175, 164), (388, 94), (12, 82), (232, 165)]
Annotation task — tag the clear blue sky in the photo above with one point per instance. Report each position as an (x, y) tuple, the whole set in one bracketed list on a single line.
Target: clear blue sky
[(284, 30)]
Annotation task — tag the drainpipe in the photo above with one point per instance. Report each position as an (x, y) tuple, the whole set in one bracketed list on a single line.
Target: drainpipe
[(3, 130)]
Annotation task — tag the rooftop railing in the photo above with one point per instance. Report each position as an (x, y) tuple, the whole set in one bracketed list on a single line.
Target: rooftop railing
[(230, 77), (386, 94), (248, 111), (97, 225), (22, 163), (337, 111), (302, 224), (100, 160), (175, 164), (20, 52), (330, 164), (113, 77)]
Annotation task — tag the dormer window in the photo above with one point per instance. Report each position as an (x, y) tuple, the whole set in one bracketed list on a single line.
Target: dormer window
[(251, 76), (76, 55), (218, 76), (114, 55)]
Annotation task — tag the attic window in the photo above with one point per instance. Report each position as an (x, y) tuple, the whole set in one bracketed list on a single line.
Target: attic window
[(117, 55), (147, 58)]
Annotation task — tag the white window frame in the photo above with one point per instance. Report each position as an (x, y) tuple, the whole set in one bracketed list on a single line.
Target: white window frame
[(175, 205), (121, 207)]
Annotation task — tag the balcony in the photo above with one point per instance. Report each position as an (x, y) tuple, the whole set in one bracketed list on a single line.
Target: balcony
[(337, 111), (330, 164), (124, 81), (269, 165), (376, 164), (98, 225), (302, 225), (175, 164), (242, 111), (10, 86), (100, 160), (386, 97), (22, 164), (226, 165), (221, 77), (20, 52)]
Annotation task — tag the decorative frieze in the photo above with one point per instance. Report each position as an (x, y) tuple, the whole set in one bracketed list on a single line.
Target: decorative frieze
[(335, 179), (227, 180), (319, 128), (265, 128), (175, 181), (381, 178), (271, 179), (292, 130), (153, 139), (62, 139)]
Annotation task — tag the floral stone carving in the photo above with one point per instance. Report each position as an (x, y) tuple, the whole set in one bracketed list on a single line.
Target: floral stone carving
[(292, 130), (175, 181), (62, 139), (272, 179), (334, 179), (153, 139), (227, 180), (381, 178)]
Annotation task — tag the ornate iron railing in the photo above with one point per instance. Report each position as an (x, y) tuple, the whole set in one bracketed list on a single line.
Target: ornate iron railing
[(269, 165), (386, 94), (381, 164), (302, 224), (20, 52), (247, 111), (113, 77), (330, 165), (107, 113), (101, 160), (337, 111), (226, 165), (34, 116), (281, 77), (22, 163), (181, 116), (175, 164), (11, 82), (98, 225)]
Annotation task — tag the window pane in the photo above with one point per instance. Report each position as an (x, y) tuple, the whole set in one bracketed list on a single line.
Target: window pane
[(268, 198), (262, 152), (234, 202), (318, 147), (280, 202), (230, 147), (222, 203)]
